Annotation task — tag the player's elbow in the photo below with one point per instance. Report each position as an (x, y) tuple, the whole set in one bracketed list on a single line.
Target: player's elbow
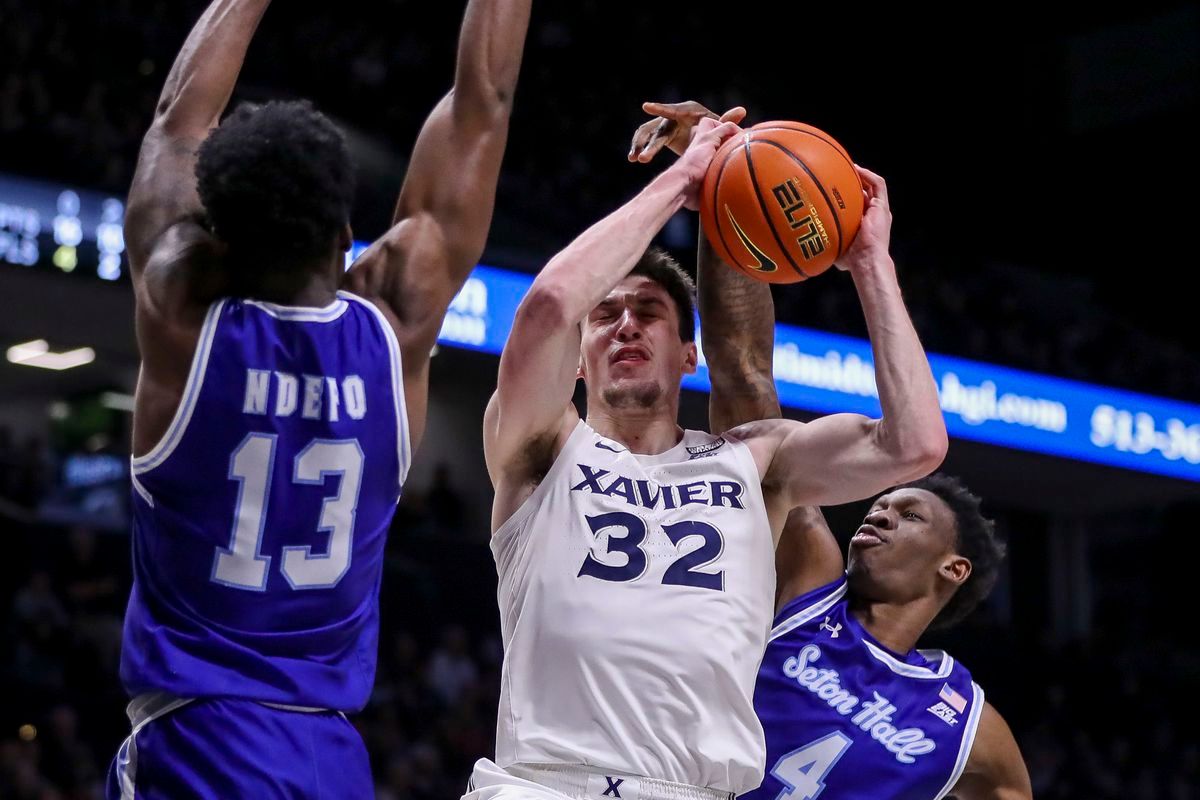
[(484, 105), (914, 453), (925, 454), (545, 309)]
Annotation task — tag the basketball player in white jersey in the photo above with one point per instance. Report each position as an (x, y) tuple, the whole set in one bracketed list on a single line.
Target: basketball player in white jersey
[(932, 527), (636, 571)]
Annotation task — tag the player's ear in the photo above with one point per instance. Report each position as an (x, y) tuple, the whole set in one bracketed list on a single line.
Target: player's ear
[(345, 238), (690, 358), (956, 569)]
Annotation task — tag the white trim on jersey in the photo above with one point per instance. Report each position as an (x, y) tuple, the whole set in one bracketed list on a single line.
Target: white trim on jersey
[(911, 670), (404, 443), (137, 487), (968, 740), (808, 613), (191, 393), (301, 313), (142, 710)]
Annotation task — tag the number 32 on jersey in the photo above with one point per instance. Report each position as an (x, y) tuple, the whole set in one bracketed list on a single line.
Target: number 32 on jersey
[(626, 538)]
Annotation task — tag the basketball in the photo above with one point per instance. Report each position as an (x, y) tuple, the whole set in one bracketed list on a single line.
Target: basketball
[(781, 202)]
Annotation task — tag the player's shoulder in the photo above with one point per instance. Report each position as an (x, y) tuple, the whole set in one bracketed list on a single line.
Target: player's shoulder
[(759, 429), (810, 607), (995, 766)]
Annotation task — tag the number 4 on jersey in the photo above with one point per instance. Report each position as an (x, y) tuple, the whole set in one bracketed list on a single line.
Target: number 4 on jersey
[(803, 771)]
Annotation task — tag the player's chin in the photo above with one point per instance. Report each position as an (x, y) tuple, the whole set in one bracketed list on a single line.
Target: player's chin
[(632, 391)]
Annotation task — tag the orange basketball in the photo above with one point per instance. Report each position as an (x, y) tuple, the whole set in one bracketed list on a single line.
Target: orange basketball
[(781, 202)]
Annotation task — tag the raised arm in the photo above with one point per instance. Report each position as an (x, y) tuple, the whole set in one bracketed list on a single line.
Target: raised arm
[(845, 457), (171, 255), (175, 263), (445, 208), (995, 769), (531, 408), (737, 314), (737, 318)]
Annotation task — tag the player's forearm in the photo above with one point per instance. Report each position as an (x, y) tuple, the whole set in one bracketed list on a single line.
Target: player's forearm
[(202, 79), (737, 318), (489, 56), (912, 427), (582, 274)]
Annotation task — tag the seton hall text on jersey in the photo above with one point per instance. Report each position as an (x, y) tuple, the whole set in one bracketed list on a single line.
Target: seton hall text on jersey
[(316, 397), (649, 494)]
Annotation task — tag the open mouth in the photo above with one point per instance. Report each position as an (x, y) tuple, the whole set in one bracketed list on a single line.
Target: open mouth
[(630, 354)]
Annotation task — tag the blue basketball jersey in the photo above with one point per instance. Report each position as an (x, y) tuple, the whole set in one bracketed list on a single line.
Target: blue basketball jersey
[(260, 517), (847, 719)]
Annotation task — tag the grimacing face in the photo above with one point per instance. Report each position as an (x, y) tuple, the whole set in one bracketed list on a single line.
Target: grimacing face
[(905, 549), (631, 354)]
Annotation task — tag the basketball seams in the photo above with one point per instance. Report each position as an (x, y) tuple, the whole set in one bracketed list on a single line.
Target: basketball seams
[(841, 151), (716, 217), (762, 204), (820, 188)]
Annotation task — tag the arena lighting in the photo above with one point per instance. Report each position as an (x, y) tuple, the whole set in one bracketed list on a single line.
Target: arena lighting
[(37, 354), (989, 403), (117, 401)]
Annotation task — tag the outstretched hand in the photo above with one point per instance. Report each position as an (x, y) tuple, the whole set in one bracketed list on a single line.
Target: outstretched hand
[(672, 128)]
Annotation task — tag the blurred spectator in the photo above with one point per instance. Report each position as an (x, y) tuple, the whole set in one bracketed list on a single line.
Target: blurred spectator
[(444, 502), (451, 671)]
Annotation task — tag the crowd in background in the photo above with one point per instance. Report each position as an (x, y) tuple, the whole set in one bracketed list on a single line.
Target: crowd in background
[(1097, 719), (79, 81)]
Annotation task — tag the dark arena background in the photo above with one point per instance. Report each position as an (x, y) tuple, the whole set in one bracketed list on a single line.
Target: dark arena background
[(1042, 165)]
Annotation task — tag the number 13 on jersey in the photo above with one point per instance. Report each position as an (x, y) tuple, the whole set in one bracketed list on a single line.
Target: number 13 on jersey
[(242, 565)]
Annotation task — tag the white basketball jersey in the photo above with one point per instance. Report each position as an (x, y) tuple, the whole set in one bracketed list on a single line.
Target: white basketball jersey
[(636, 596)]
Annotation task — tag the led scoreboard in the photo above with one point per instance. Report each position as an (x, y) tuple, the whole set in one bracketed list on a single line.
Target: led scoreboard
[(63, 228)]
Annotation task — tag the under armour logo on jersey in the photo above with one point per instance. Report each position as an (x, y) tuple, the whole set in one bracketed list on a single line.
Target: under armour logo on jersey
[(834, 630)]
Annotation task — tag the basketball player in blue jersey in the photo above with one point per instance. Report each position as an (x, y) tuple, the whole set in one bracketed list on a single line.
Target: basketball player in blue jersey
[(851, 710), (279, 403), (636, 559)]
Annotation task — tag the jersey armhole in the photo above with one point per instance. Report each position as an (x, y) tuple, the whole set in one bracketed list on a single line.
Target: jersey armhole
[(968, 740), (403, 442), (531, 503), (808, 606), (139, 465)]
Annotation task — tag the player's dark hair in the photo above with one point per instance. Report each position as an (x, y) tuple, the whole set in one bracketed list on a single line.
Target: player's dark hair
[(975, 540), (277, 183), (658, 265)]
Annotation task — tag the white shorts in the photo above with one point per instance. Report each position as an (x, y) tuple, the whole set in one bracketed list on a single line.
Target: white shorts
[(563, 782)]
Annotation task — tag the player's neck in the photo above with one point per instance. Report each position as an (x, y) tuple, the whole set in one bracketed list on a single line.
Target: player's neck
[(896, 627), (308, 288), (647, 431)]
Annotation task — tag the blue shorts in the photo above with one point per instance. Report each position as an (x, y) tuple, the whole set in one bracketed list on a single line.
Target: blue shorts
[(225, 748)]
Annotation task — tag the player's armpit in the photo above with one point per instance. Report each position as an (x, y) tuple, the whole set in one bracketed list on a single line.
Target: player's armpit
[(516, 467), (807, 556), (995, 769)]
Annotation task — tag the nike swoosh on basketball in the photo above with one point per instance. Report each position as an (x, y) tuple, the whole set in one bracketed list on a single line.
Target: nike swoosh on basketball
[(765, 264)]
